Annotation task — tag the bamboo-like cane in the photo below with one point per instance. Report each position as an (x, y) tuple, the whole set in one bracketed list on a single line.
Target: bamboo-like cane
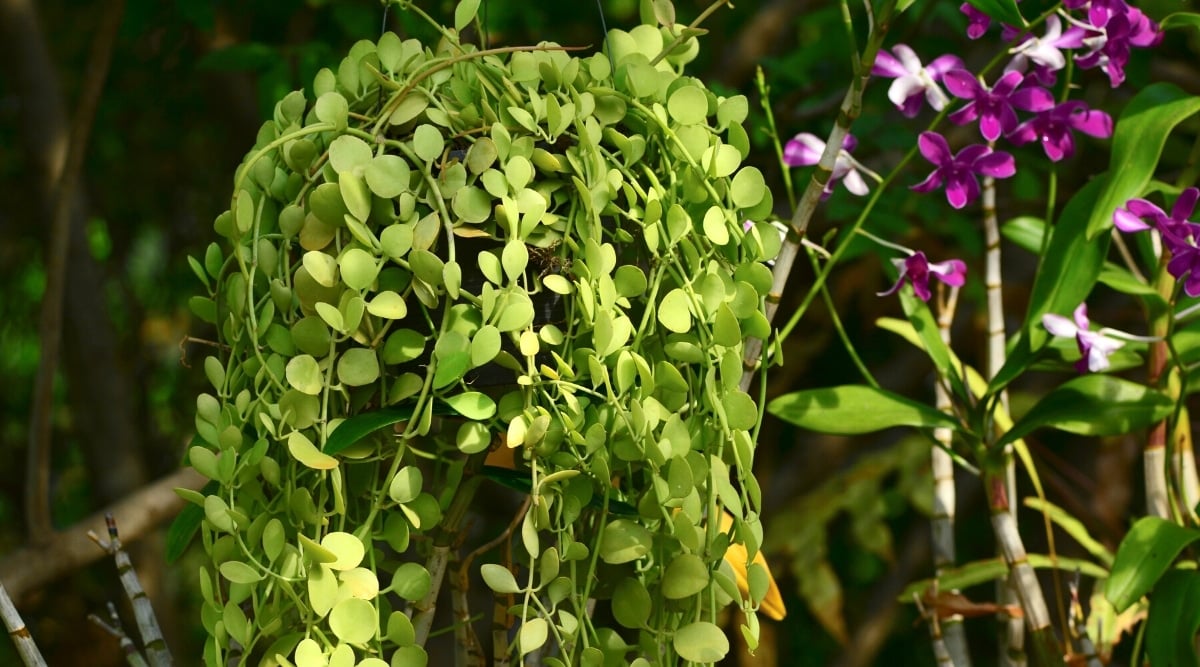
[(1044, 644), (157, 653), (1012, 648), (26, 647), (1185, 465), (949, 637), (439, 558), (849, 111)]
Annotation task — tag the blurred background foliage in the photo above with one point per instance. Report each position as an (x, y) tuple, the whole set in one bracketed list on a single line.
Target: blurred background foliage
[(191, 81)]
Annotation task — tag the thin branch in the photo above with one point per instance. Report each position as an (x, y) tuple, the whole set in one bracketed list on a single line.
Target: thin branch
[(26, 647), (31, 567), (37, 484), (143, 611), (113, 627)]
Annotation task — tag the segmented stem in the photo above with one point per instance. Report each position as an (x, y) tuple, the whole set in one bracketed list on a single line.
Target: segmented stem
[(949, 638)]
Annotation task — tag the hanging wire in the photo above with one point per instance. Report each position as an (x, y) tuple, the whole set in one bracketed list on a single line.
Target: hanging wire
[(612, 66)]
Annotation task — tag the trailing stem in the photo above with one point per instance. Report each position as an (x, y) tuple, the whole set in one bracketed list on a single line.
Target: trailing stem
[(950, 641), (798, 227)]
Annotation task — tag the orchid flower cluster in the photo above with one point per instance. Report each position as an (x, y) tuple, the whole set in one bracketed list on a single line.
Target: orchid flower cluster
[(1093, 34)]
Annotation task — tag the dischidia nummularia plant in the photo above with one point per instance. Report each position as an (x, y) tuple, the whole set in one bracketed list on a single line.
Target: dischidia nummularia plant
[(452, 250)]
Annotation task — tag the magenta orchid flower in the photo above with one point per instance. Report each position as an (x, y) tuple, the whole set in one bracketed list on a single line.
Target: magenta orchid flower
[(1094, 346), (1052, 128), (916, 269), (959, 171), (1117, 29), (977, 21), (914, 81), (994, 107), (1179, 234), (1047, 49), (805, 149)]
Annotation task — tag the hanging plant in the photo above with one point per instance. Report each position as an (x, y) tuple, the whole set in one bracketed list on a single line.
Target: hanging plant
[(454, 253)]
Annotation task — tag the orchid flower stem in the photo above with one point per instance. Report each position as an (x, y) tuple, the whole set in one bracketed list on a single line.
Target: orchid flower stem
[(764, 97), (841, 330), (883, 242)]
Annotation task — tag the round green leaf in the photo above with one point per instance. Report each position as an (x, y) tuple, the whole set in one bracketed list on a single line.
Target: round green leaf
[(355, 195), (348, 152), (701, 642), (348, 549), (304, 374), (485, 345), (388, 305), (472, 438), (740, 410), (322, 267), (499, 578), (675, 311), (411, 581), (406, 485), (403, 345), (428, 142), (533, 635), (685, 576), (688, 105), (472, 405), (358, 268), (396, 240), (387, 175), (303, 450), (631, 603), (748, 187), (354, 621), (240, 573), (472, 204), (623, 541), (514, 259), (400, 629), (358, 366), (332, 108), (518, 171)]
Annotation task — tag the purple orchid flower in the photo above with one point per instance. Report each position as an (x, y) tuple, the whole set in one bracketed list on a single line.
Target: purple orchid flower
[(959, 171), (1047, 49), (994, 107), (1179, 234), (914, 81), (1053, 128), (805, 149), (917, 269), (1117, 30), (1094, 346), (977, 21)]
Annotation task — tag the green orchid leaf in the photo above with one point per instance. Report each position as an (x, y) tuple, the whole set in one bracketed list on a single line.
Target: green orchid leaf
[(1174, 619), (1138, 142), (1093, 405), (983, 571), (855, 409), (1147, 551), (183, 529), (360, 426)]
